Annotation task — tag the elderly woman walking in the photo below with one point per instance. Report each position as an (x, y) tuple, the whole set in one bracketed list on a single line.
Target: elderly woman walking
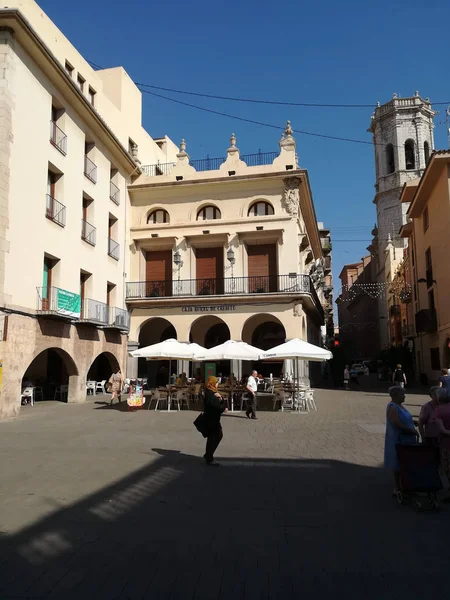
[(212, 411), (399, 430)]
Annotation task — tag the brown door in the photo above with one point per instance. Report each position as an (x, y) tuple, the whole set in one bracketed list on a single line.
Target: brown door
[(158, 273), (262, 268), (209, 269)]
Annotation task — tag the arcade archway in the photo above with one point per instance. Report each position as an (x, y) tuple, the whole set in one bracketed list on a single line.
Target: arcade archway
[(48, 371), (210, 331), (265, 331), (102, 367), (154, 331)]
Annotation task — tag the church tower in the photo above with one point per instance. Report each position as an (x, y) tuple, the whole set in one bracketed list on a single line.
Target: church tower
[(403, 141)]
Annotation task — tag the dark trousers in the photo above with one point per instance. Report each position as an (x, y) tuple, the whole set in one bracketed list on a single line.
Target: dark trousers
[(251, 405), (212, 441)]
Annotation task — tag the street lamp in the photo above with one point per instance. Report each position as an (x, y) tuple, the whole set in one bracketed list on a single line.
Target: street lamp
[(178, 262), (231, 259)]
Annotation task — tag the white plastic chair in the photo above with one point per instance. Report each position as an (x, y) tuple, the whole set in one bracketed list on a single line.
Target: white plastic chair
[(309, 398), (180, 397), (90, 387), (28, 393), (160, 397), (61, 391), (100, 385), (126, 386)]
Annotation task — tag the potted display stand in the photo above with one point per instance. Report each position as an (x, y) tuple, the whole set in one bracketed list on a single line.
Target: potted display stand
[(136, 398)]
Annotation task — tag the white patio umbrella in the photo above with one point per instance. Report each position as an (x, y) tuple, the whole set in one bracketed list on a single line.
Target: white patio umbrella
[(170, 349), (230, 350), (298, 348)]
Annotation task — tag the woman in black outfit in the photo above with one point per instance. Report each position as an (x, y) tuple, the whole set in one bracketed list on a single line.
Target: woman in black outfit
[(212, 411)]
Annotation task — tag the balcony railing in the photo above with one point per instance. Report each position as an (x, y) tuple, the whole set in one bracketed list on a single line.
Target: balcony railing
[(58, 138), (395, 310), (95, 312), (119, 318), (58, 302), (408, 331), (113, 249), (211, 164), (88, 233), (287, 284), (426, 321), (55, 211), (114, 193), (158, 169), (90, 169)]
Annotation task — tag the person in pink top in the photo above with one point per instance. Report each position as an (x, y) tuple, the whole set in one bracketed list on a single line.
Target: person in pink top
[(442, 419), (427, 425)]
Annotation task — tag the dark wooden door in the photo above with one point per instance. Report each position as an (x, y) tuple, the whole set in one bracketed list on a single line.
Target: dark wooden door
[(262, 268), (158, 273), (209, 269)]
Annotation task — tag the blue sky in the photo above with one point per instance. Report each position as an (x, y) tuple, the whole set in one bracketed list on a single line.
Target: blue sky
[(326, 52)]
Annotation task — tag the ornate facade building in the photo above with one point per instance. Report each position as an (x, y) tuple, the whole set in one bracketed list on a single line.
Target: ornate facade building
[(225, 248)]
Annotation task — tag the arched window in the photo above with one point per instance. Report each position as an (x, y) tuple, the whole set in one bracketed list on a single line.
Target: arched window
[(410, 159), (426, 151), (390, 160), (208, 212), (260, 209), (158, 216)]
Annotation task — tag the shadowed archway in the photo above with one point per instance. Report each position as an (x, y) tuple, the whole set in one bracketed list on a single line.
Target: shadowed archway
[(49, 370)]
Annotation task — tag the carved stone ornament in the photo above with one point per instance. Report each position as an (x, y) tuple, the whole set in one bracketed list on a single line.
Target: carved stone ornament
[(135, 154), (297, 309), (292, 195)]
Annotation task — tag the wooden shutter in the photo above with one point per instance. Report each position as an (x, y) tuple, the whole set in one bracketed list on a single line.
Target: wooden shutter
[(158, 273), (209, 268), (262, 268)]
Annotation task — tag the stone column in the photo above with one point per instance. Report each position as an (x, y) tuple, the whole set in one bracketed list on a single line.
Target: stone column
[(132, 363)]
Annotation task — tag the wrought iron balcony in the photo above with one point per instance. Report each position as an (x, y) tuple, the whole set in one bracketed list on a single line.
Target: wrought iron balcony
[(90, 169), (88, 232), (408, 331), (57, 302), (211, 164), (119, 318), (113, 249), (55, 211), (114, 193), (58, 138), (93, 311)]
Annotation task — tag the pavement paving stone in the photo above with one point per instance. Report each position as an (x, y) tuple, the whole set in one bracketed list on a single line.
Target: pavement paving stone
[(100, 503)]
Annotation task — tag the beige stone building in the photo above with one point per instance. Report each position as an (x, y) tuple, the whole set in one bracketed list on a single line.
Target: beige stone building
[(225, 248), (70, 140), (427, 231)]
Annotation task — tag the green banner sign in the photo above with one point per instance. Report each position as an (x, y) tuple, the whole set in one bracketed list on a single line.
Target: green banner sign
[(68, 303)]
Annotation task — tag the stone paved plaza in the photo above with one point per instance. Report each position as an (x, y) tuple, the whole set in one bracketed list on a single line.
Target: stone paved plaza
[(103, 503)]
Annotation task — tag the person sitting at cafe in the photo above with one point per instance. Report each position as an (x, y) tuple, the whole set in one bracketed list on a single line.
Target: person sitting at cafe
[(232, 380)]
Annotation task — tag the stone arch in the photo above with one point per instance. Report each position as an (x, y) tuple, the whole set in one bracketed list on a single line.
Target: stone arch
[(49, 369), (151, 210), (200, 331), (210, 331), (203, 205), (153, 331), (410, 155), (262, 204), (101, 368), (265, 331)]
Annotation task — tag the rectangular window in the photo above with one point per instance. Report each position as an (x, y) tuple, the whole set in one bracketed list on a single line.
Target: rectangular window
[(429, 268), (81, 81), (69, 68), (431, 304), (110, 288), (91, 96), (435, 359), (426, 222)]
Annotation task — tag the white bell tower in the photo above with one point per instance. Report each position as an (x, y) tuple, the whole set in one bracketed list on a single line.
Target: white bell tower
[(403, 141)]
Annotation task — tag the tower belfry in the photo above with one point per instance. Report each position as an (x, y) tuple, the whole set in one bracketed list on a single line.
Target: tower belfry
[(403, 141)]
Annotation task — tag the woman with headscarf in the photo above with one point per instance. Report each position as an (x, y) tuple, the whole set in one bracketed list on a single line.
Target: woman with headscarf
[(212, 411)]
